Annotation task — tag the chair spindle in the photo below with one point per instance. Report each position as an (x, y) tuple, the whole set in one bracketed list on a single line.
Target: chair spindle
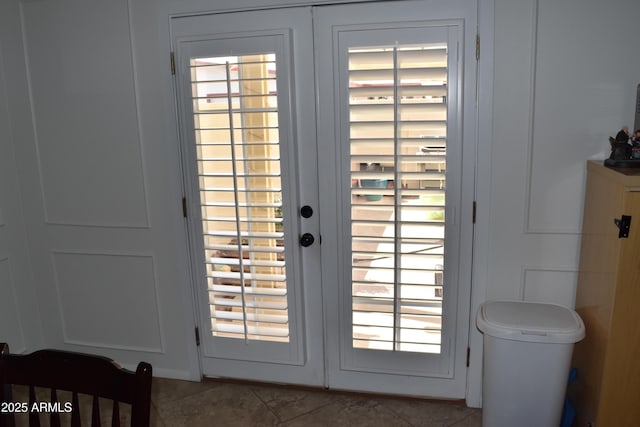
[(34, 418), (75, 412), (95, 412), (115, 414), (54, 418)]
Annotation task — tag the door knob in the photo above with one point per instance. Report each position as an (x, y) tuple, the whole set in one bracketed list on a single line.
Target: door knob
[(307, 239), (306, 211)]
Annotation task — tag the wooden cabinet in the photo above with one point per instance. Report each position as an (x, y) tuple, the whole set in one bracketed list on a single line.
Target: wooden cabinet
[(607, 389)]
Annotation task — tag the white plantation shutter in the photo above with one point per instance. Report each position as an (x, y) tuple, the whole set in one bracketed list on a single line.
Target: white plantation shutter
[(398, 138), (237, 138)]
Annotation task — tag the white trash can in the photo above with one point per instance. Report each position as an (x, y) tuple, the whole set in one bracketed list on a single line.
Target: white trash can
[(527, 357)]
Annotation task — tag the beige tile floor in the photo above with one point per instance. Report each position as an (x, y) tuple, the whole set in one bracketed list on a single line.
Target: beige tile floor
[(221, 404), (182, 403)]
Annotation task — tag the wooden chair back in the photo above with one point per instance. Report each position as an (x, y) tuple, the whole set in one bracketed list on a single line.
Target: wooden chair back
[(77, 373)]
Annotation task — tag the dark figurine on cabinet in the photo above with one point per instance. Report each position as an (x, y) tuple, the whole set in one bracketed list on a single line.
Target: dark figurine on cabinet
[(620, 147)]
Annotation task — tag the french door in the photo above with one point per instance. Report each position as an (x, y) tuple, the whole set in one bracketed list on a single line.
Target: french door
[(323, 154)]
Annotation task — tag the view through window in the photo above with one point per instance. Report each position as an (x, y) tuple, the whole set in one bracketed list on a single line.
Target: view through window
[(398, 139), (236, 126)]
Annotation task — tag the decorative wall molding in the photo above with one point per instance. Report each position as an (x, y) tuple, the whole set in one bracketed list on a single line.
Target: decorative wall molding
[(5, 124), (136, 88), (577, 99), (533, 48), (9, 314), (529, 228), (549, 284), (96, 288), (52, 186)]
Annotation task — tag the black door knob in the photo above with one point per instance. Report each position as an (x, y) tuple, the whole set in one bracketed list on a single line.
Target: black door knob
[(306, 211), (307, 239)]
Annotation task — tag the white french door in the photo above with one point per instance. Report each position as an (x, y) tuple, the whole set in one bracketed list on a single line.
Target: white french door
[(249, 154), (328, 156)]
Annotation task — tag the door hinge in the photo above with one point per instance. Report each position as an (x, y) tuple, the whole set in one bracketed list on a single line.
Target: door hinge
[(477, 47), (198, 337), (468, 355), (184, 207), (173, 64), (624, 225), (473, 213)]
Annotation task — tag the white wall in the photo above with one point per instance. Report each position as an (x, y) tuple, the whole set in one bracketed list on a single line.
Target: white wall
[(565, 76), (20, 323), (100, 186), (97, 163)]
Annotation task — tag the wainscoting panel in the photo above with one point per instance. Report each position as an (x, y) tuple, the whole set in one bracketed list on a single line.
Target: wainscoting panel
[(579, 98), (108, 300), (549, 285), (81, 70), (5, 136), (11, 330)]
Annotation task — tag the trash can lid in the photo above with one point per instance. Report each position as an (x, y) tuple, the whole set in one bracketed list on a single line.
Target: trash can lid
[(530, 321)]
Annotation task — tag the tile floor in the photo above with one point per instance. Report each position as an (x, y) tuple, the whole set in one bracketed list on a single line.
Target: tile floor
[(182, 403)]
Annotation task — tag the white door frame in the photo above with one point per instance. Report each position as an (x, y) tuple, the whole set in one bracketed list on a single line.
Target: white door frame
[(484, 130)]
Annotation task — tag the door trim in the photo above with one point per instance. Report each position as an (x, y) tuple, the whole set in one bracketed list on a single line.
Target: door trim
[(484, 131)]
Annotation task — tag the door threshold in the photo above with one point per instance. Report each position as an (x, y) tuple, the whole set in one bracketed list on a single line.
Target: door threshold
[(354, 393)]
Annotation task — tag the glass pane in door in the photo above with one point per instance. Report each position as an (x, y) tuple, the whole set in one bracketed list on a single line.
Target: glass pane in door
[(237, 146), (398, 142)]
